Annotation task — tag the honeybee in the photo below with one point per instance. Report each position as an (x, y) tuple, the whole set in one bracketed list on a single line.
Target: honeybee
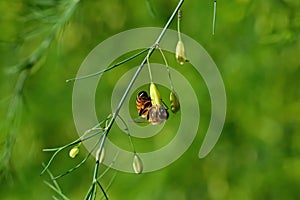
[(155, 114), (143, 104)]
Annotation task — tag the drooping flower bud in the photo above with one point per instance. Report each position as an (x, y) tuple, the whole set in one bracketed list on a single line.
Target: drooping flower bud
[(137, 164), (157, 113), (180, 53), (74, 151), (174, 101), (155, 95)]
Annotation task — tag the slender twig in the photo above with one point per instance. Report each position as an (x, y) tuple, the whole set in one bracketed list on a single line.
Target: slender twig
[(109, 167), (74, 168), (92, 190), (57, 150), (90, 193), (214, 17), (128, 133), (149, 68), (55, 185), (102, 189), (179, 16), (167, 67), (111, 181), (81, 139), (109, 68), (56, 190), (79, 164)]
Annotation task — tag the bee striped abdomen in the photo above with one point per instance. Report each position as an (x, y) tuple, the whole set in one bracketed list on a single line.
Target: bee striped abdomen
[(143, 104)]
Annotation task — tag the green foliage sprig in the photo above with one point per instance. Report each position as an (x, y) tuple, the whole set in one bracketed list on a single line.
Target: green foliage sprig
[(25, 69)]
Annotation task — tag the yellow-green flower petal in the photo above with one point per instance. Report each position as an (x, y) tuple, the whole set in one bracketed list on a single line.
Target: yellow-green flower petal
[(155, 95)]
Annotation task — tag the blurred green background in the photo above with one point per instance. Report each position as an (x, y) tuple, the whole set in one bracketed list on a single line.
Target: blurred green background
[(256, 48)]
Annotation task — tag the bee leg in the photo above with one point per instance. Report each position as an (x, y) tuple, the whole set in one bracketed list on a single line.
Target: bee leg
[(165, 105)]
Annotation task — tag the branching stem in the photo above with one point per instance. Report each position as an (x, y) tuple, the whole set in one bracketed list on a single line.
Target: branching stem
[(109, 68), (167, 67), (91, 194), (151, 50)]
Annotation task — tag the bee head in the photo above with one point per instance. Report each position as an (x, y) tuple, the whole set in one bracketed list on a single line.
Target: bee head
[(142, 94)]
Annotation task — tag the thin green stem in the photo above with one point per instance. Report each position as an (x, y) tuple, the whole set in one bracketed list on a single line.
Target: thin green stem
[(214, 17), (90, 193), (79, 164), (128, 133), (167, 67), (102, 189), (149, 68), (109, 167), (81, 139), (179, 15), (111, 181), (55, 185), (56, 190), (73, 168), (169, 21), (109, 68)]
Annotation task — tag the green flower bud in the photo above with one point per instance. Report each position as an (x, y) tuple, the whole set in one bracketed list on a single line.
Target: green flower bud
[(155, 95), (174, 101), (73, 152), (180, 53)]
